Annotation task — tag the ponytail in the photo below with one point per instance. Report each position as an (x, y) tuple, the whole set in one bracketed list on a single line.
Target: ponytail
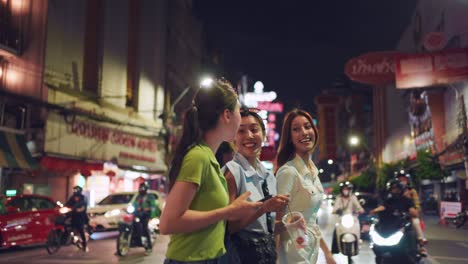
[(191, 135), (202, 116)]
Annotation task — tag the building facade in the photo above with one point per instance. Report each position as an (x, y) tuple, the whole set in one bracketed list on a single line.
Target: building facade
[(428, 118)]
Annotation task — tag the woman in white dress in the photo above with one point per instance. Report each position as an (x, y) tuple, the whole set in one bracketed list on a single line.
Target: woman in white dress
[(298, 176)]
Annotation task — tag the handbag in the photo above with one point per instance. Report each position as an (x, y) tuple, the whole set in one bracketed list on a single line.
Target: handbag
[(253, 247)]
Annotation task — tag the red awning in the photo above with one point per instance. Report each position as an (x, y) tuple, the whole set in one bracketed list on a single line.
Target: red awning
[(60, 164)]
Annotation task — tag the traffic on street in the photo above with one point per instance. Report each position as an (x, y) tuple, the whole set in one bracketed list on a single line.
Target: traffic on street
[(447, 245)]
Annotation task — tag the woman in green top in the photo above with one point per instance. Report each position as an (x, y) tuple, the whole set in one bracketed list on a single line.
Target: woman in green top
[(198, 202)]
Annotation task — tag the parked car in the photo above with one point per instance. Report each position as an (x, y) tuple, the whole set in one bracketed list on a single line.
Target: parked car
[(368, 202), (105, 216), (26, 219)]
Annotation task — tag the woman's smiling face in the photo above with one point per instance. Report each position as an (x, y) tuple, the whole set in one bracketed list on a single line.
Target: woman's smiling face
[(302, 135), (249, 138)]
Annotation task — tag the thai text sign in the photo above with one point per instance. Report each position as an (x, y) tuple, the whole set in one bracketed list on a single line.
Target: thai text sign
[(374, 68), (428, 69), (101, 141)]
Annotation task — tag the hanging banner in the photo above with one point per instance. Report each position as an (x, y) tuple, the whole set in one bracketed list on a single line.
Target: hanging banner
[(429, 69), (374, 68)]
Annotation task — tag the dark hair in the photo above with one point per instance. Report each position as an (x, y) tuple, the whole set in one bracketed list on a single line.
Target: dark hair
[(207, 105), (286, 147), (224, 148), (252, 112)]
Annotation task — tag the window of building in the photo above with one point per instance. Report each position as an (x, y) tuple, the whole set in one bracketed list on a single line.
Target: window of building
[(12, 14)]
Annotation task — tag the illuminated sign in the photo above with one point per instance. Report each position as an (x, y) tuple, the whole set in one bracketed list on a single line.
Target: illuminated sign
[(271, 107), (10, 192)]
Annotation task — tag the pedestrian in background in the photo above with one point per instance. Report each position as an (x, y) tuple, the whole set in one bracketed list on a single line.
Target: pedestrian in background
[(252, 238), (198, 202), (298, 176)]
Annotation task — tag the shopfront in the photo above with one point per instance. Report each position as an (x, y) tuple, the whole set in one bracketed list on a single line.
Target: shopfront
[(100, 156)]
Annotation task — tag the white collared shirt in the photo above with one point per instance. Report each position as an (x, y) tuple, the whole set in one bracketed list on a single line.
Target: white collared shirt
[(251, 179)]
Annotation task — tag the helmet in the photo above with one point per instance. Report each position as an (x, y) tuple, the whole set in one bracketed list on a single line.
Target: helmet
[(77, 189), (344, 185), (143, 188), (404, 178), (395, 184)]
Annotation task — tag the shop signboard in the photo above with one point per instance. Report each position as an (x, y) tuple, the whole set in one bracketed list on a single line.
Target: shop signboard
[(83, 138), (449, 209), (374, 68), (429, 69)]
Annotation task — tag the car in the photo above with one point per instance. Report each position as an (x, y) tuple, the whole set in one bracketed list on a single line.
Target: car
[(368, 202), (26, 219), (105, 216)]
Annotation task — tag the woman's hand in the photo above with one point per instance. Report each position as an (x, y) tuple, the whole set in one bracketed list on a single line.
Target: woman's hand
[(276, 203), (240, 207), (329, 258)]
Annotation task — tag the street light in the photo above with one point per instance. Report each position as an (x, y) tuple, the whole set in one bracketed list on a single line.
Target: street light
[(353, 140), (330, 161), (204, 83)]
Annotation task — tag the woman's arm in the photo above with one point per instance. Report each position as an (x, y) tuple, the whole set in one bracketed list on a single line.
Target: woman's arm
[(327, 252), (272, 204), (337, 206), (178, 218)]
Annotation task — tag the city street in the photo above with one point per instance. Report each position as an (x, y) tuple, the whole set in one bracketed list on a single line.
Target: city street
[(447, 245)]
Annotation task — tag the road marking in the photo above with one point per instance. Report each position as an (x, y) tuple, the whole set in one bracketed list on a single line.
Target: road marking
[(450, 258), (463, 244)]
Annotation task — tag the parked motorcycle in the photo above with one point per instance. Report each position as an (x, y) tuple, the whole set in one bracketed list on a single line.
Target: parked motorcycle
[(131, 232), (348, 235), (460, 219), (394, 240)]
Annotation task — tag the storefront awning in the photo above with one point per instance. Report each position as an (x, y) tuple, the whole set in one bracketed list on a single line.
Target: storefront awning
[(61, 164), (14, 153)]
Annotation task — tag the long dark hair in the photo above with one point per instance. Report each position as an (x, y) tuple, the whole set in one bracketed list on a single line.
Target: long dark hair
[(208, 104), (286, 149)]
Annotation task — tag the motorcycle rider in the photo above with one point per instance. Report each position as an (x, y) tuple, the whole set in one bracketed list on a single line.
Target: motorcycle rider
[(395, 204), (345, 202), (413, 195), (79, 218), (145, 209)]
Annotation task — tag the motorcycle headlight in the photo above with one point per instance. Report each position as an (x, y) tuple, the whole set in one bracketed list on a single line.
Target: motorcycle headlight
[(64, 210), (392, 240), (347, 221), (130, 209), (112, 213)]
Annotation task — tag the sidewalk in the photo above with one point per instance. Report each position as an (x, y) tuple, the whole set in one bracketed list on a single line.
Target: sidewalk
[(437, 231)]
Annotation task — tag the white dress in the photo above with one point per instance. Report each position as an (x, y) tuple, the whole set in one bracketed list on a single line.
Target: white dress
[(306, 196)]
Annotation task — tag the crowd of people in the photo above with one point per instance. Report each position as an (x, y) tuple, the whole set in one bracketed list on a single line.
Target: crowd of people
[(225, 206)]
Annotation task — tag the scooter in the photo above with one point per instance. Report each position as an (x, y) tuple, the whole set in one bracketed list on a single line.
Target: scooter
[(131, 232), (348, 235), (394, 241), (460, 219), (63, 233)]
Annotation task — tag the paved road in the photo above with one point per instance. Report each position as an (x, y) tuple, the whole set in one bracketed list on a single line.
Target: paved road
[(447, 245)]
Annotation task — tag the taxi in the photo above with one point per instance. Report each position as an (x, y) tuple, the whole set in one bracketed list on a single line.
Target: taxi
[(26, 219)]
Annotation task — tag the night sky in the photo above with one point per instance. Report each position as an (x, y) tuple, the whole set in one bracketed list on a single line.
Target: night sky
[(298, 48)]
